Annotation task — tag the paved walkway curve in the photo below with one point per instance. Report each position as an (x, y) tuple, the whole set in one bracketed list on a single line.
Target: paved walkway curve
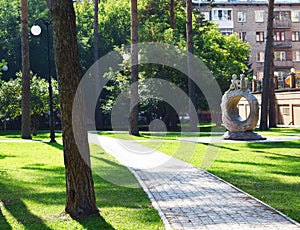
[(188, 197)]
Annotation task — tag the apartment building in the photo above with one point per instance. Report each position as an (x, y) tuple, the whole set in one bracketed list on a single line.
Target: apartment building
[(248, 19)]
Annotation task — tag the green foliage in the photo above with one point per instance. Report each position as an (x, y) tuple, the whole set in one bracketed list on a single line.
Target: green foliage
[(114, 27), (10, 41), (9, 29), (10, 99), (11, 95), (3, 63), (223, 55)]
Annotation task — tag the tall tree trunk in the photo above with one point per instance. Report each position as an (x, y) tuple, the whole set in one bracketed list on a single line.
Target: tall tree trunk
[(96, 32), (25, 133), (80, 200), (98, 111), (272, 98), (267, 68), (134, 95), (191, 83), (172, 15)]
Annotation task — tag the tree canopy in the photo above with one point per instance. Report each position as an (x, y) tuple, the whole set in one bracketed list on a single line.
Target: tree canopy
[(224, 55)]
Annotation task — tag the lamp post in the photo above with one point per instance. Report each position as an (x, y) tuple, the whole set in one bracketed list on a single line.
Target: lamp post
[(36, 31)]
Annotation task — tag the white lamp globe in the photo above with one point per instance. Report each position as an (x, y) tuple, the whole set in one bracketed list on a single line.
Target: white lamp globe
[(5, 68), (36, 30)]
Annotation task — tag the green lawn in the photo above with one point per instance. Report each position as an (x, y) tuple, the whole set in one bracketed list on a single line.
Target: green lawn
[(32, 191), (268, 171)]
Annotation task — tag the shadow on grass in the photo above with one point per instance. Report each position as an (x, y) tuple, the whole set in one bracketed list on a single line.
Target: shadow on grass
[(113, 172), (245, 163), (3, 222), (272, 145), (10, 133), (55, 145), (95, 222), (17, 208), (220, 146), (13, 192), (2, 156)]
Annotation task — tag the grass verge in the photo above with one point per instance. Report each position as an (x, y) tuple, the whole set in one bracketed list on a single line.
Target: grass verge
[(32, 191)]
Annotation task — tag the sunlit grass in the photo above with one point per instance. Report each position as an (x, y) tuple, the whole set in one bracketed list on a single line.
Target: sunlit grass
[(281, 132), (32, 191)]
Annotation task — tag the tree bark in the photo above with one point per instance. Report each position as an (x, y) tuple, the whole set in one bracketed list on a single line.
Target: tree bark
[(134, 95), (272, 98), (191, 83), (80, 200), (98, 111), (267, 68), (96, 32), (172, 15), (25, 133)]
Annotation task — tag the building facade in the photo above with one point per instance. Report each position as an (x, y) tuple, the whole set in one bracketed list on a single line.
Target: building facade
[(287, 105), (248, 19)]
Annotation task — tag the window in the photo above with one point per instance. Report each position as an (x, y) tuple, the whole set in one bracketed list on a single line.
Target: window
[(260, 57), (279, 56), (242, 36), (296, 55), (295, 36), (295, 16), (241, 16), (225, 31), (282, 15), (260, 36), (222, 14), (259, 16), (279, 36), (286, 111)]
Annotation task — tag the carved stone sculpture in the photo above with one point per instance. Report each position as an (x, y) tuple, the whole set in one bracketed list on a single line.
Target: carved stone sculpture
[(238, 128)]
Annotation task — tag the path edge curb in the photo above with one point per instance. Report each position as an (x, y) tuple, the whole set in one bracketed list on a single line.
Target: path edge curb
[(153, 201)]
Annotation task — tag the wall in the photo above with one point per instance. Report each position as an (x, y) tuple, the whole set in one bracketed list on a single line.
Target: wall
[(287, 105)]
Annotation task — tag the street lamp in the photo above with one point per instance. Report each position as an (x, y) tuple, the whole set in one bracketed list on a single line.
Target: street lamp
[(36, 31), (5, 68)]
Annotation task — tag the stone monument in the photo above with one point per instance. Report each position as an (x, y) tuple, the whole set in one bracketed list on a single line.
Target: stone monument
[(239, 128)]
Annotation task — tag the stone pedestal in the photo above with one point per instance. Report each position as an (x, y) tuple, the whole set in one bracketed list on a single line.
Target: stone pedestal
[(243, 136)]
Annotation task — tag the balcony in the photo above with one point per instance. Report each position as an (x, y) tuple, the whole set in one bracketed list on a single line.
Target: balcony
[(282, 44), (282, 24), (283, 64)]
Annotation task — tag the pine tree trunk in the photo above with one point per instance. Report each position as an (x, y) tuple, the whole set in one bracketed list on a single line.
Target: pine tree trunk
[(96, 32), (272, 99), (172, 15), (25, 133), (191, 84), (134, 95), (80, 200), (98, 110), (267, 68)]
